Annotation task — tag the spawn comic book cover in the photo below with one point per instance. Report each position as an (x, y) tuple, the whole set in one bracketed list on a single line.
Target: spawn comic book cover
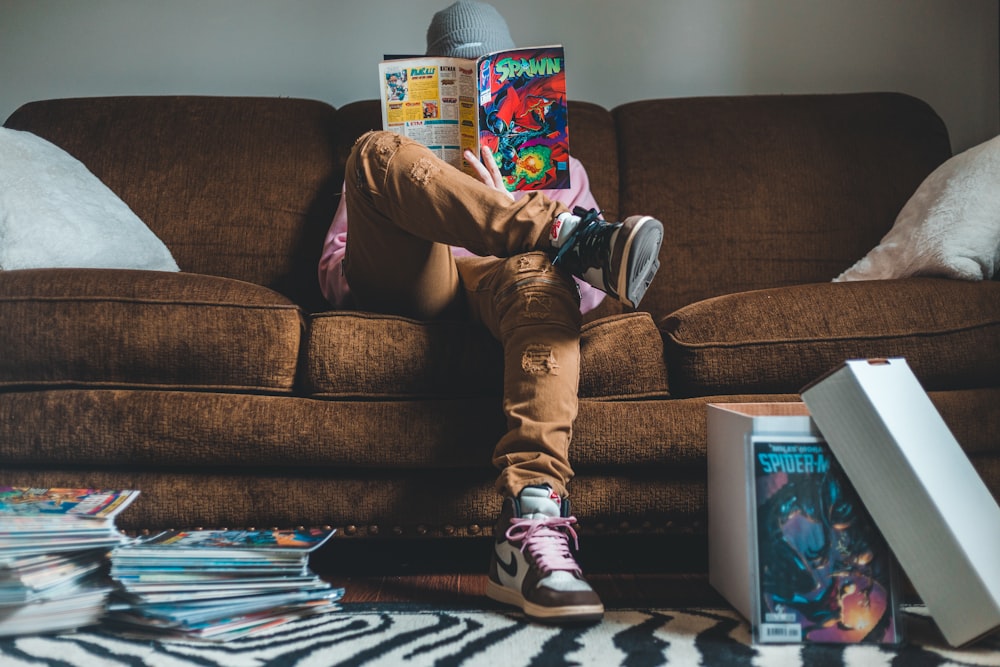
[(824, 572), (523, 116)]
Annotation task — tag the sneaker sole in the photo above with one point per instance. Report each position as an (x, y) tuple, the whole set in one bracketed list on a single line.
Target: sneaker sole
[(642, 250), (566, 614)]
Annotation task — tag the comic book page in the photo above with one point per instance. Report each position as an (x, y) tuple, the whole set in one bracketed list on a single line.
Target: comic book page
[(432, 100), (824, 572), (523, 116)]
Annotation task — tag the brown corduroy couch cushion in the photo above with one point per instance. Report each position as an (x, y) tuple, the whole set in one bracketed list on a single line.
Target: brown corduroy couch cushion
[(780, 340), (365, 355), (114, 328)]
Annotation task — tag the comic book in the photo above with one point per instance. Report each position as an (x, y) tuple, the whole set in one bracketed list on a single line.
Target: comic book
[(266, 545), (45, 576), (23, 508), (36, 522), (824, 572), (78, 608), (512, 101)]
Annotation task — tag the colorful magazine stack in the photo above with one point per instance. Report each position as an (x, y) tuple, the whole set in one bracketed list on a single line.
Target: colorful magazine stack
[(53, 553), (218, 584)]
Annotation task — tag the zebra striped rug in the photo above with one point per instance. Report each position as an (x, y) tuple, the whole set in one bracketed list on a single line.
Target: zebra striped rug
[(394, 635)]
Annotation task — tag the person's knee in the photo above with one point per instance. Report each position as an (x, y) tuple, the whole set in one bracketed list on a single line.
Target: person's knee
[(377, 145), (381, 156), (530, 290)]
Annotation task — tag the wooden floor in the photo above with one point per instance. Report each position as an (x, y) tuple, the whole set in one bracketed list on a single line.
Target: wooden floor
[(617, 591), (667, 573), (625, 572)]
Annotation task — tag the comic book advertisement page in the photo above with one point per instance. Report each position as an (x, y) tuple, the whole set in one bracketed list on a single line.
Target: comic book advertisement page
[(432, 101), (523, 117), (824, 572)]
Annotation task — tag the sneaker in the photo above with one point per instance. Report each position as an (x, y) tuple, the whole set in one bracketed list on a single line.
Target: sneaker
[(532, 567), (619, 258)]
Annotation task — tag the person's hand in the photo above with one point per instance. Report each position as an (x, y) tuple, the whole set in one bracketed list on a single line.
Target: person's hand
[(487, 169)]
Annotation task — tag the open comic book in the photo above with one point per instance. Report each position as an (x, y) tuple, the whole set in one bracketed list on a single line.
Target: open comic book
[(512, 101)]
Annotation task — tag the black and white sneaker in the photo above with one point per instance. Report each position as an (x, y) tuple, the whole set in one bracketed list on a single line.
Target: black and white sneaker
[(532, 566), (619, 258)]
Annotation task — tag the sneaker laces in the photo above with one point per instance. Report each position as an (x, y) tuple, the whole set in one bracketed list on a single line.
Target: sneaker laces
[(591, 236), (547, 540), (584, 236)]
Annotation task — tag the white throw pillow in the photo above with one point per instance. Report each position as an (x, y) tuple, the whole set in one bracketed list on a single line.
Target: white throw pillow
[(55, 213), (950, 227)]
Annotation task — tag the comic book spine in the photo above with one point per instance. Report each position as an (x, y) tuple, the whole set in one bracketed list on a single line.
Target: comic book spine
[(824, 572), (523, 116)]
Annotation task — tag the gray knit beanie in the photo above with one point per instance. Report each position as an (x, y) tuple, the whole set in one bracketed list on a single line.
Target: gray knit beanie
[(467, 29)]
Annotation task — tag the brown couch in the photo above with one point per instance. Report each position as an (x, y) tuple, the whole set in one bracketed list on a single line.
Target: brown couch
[(232, 395)]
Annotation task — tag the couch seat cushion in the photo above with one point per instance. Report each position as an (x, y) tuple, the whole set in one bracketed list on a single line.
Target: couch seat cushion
[(779, 340), (119, 328), (352, 354)]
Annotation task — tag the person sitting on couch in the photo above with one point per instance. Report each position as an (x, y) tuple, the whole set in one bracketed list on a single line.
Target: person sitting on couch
[(428, 241)]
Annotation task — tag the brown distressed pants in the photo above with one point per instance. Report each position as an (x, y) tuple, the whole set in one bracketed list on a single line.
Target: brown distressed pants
[(405, 209)]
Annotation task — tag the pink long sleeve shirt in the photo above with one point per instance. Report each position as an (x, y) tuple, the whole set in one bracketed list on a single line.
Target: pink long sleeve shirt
[(331, 276)]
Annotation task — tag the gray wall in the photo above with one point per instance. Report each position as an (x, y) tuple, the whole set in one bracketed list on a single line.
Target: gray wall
[(944, 51)]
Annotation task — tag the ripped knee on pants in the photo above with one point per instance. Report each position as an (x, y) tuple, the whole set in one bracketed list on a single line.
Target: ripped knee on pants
[(385, 142), (380, 146), (538, 359), (423, 170), (540, 288)]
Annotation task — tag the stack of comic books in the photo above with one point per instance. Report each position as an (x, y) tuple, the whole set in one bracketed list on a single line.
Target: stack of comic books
[(218, 585), (53, 556)]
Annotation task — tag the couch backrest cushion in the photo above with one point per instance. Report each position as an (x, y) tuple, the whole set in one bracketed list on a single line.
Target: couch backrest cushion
[(593, 142), (241, 188), (766, 191)]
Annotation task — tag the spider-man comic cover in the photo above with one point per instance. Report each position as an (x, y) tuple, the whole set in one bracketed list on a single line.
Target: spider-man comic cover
[(825, 573)]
